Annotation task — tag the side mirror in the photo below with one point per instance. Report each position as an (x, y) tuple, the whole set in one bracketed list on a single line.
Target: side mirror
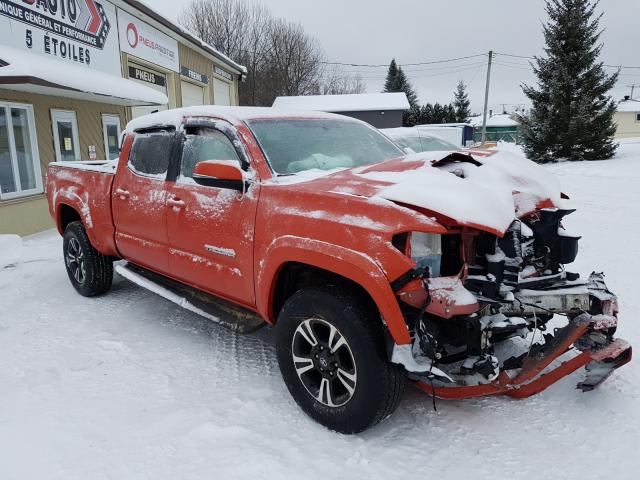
[(219, 174)]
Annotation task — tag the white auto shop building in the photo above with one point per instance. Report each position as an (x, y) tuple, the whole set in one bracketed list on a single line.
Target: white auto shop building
[(73, 72)]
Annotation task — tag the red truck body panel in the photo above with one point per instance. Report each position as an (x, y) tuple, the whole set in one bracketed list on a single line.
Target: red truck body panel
[(233, 244)]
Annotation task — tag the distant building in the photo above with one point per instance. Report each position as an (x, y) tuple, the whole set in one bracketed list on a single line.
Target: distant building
[(627, 117), (382, 110), (501, 127)]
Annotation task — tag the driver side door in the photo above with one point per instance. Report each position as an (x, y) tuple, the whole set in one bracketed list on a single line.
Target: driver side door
[(211, 229)]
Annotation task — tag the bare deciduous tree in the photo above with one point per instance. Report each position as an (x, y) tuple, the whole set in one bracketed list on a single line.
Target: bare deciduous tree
[(281, 58), (337, 82)]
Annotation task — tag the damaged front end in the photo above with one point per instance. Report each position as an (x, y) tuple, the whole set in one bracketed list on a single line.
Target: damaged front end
[(501, 315)]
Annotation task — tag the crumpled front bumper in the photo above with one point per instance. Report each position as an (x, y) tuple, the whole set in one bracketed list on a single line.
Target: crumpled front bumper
[(574, 341)]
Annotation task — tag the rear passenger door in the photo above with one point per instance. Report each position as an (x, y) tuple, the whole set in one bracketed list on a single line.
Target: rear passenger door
[(139, 195), (211, 229)]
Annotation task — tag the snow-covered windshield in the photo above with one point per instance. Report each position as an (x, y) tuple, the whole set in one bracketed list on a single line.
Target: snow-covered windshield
[(422, 142), (296, 145)]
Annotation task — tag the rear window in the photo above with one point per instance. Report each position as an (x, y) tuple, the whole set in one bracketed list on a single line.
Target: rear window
[(151, 153)]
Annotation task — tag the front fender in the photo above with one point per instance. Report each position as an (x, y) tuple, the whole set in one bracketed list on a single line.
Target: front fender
[(342, 261)]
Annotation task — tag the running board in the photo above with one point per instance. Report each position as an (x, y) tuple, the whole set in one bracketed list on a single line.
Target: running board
[(212, 308)]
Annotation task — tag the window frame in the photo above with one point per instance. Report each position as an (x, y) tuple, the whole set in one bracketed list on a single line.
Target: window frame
[(107, 120), (637, 114), (213, 127), (73, 118), (169, 132), (35, 153)]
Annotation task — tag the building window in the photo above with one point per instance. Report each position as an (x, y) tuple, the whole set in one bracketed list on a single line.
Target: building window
[(20, 173), (638, 117)]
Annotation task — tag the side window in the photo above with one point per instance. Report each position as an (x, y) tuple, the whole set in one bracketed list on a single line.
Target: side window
[(205, 144), (151, 153)]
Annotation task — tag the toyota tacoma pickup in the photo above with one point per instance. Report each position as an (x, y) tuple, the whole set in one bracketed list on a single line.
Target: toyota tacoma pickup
[(446, 269)]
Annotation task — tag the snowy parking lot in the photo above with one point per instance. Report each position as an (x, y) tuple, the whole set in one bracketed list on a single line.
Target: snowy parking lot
[(128, 386)]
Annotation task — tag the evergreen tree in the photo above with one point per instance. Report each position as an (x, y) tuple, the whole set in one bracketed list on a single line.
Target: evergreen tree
[(402, 84), (572, 113), (392, 73), (427, 114), (412, 117), (461, 103)]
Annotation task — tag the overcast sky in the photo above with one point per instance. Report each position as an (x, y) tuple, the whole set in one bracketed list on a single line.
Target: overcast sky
[(412, 31)]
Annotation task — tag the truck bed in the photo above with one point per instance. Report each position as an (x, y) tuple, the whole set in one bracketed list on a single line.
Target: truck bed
[(84, 189)]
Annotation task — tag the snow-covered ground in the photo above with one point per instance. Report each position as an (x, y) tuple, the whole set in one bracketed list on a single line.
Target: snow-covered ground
[(128, 386)]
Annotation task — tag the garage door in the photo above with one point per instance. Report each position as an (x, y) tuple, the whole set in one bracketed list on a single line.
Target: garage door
[(191, 94), (221, 92)]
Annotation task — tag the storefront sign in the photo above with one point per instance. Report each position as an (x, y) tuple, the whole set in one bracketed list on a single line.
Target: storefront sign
[(144, 41), (82, 32), (193, 75), (146, 76), (222, 73)]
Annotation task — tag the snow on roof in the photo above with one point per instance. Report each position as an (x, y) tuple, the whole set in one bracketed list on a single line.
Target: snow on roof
[(495, 120), (630, 105), (346, 103), (31, 72), (174, 117), (145, 7)]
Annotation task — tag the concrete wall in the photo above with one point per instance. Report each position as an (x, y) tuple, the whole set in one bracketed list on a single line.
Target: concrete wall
[(627, 125), (379, 119)]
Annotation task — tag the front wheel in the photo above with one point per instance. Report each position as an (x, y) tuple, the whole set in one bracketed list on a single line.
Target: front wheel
[(90, 272), (332, 357)]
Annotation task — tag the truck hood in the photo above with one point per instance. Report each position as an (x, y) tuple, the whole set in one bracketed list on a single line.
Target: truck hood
[(486, 190)]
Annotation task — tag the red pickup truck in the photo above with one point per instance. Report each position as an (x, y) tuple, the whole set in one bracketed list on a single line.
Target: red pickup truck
[(375, 267)]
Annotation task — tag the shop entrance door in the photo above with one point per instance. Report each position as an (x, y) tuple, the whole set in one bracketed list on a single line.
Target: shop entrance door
[(65, 135)]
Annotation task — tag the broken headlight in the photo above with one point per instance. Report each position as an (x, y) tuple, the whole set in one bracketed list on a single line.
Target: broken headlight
[(426, 250)]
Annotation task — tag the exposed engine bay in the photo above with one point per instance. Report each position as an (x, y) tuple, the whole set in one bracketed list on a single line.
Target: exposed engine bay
[(479, 308)]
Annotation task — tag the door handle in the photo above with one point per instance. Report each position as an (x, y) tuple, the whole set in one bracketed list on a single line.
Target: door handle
[(175, 203), (122, 193)]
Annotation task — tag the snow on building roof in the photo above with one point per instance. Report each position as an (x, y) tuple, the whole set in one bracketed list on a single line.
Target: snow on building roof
[(495, 120), (29, 72), (175, 116), (629, 106), (356, 102), (145, 7)]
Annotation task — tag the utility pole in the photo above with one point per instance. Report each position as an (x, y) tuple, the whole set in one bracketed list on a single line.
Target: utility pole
[(632, 87), (486, 99)]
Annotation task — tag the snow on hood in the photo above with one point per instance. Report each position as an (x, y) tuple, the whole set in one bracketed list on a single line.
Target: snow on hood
[(483, 192)]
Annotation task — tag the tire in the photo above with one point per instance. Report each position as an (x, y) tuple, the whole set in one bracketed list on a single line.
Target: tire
[(360, 387), (90, 272)]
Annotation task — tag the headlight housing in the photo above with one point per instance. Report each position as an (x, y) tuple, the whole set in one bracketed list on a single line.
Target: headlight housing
[(426, 250)]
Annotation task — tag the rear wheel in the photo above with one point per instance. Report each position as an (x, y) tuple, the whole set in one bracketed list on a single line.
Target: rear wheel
[(332, 357), (90, 272)]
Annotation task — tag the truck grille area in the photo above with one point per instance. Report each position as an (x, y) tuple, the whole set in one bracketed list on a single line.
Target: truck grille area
[(531, 254)]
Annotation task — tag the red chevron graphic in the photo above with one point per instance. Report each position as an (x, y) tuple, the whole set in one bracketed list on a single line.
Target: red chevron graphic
[(94, 23)]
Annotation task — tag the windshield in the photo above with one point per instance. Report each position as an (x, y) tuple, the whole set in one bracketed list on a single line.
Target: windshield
[(423, 143), (296, 145)]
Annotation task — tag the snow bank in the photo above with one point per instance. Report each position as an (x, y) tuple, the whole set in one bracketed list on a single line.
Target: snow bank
[(10, 250)]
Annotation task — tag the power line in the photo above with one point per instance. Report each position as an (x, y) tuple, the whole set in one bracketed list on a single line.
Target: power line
[(533, 58), (405, 64)]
